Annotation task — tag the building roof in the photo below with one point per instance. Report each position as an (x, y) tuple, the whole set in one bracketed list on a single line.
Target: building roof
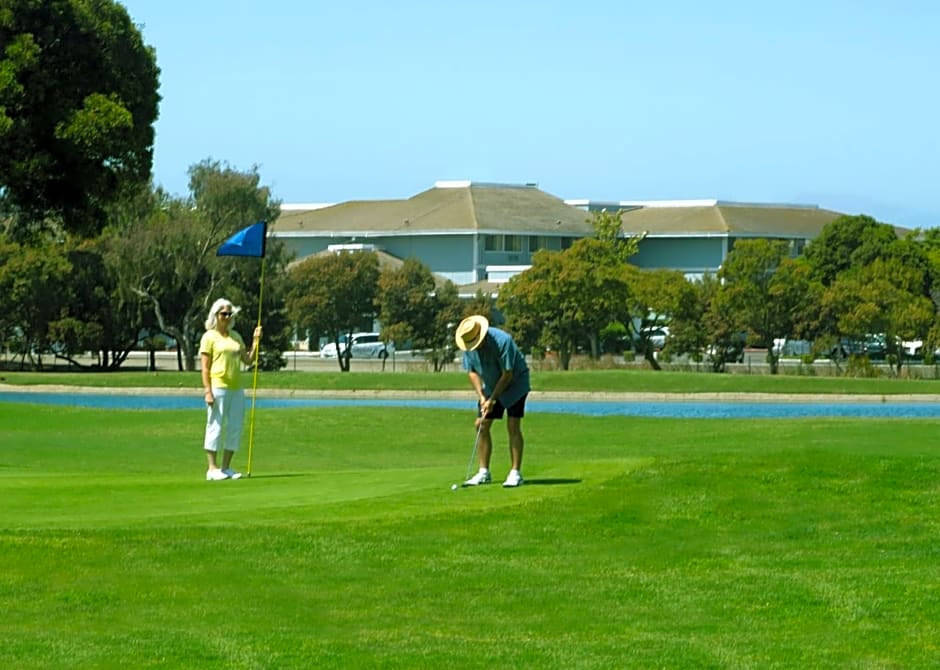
[(448, 207), (386, 260), (489, 288), (726, 218)]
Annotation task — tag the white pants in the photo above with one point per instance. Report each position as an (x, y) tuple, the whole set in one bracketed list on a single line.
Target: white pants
[(225, 418)]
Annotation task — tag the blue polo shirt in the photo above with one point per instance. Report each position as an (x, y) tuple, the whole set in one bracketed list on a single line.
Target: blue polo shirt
[(498, 352)]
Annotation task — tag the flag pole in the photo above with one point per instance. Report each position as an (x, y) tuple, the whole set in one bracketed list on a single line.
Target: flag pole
[(254, 380)]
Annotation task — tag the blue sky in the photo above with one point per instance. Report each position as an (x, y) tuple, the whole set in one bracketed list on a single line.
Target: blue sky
[(824, 102)]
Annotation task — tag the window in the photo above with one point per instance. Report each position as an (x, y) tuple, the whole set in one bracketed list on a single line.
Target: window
[(511, 243), (537, 242)]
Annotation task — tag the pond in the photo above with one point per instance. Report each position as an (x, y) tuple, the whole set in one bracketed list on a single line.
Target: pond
[(647, 408)]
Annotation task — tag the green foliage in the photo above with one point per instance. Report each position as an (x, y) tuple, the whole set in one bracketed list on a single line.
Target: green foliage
[(412, 309), (164, 251), (568, 297), (334, 294), (32, 279), (607, 229), (770, 292), (849, 241), (78, 100), (655, 299)]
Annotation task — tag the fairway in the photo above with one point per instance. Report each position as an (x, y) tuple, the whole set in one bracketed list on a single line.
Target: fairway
[(636, 543)]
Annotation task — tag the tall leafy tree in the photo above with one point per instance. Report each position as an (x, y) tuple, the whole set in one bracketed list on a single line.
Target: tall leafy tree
[(885, 298), (571, 296), (769, 291), (849, 241), (78, 100), (334, 294), (412, 309), (32, 278), (655, 298), (167, 257)]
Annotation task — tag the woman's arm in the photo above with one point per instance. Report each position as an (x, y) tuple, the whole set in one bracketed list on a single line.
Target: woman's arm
[(248, 357), (206, 364)]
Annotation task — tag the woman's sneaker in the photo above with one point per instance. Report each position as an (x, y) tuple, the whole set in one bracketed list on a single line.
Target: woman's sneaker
[(482, 477), (215, 475), (513, 480), (231, 474)]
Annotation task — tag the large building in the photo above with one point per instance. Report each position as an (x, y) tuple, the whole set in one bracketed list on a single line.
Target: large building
[(478, 235)]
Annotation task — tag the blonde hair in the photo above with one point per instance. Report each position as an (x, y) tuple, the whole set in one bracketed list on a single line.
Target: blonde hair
[(213, 319)]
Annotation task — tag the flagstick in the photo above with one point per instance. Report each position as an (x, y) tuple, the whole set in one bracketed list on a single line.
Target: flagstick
[(254, 381)]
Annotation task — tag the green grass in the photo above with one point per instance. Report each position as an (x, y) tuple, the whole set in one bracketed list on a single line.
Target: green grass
[(623, 381), (640, 543)]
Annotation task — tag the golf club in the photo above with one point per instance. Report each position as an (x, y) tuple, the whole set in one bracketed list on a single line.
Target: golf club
[(473, 454)]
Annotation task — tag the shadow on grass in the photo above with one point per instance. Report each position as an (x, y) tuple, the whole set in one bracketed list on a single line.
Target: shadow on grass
[(551, 481), (280, 476)]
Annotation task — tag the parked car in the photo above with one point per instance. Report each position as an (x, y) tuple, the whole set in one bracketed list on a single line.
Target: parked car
[(364, 345), (872, 346), (915, 349), (656, 335)]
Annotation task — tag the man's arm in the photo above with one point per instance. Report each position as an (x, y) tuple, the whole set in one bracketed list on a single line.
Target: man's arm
[(477, 383), (502, 383)]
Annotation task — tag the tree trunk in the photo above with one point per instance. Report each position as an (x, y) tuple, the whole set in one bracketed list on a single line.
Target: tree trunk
[(774, 361)]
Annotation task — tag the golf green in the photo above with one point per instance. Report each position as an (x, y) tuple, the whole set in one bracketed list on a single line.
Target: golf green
[(634, 543)]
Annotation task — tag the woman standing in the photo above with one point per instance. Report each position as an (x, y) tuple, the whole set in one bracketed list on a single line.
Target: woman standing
[(222, 352)]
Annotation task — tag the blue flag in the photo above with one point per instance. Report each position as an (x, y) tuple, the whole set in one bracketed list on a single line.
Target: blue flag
[(246, 242)]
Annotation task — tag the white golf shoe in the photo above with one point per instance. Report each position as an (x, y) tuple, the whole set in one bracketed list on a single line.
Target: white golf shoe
[(482, 477), (232, 474), (513, 480), (215, 475)]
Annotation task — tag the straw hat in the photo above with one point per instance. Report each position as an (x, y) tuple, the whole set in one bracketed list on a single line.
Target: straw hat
[(470, 332)]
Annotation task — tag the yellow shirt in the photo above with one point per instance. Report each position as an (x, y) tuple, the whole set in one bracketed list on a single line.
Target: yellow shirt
[(225, 356)]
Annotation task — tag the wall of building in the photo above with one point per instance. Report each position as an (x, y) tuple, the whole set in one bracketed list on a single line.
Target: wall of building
[(677, 253), (451, 256)]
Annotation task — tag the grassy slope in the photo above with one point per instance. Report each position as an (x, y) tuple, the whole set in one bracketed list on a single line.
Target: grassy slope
[(637, 543)]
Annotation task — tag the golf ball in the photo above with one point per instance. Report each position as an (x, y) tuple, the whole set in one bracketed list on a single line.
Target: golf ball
[(453, 487)]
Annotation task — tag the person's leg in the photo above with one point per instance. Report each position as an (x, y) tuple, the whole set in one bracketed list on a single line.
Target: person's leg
[(516, 441), (213, 435), (235, 419), (484, 447), (485, 443)]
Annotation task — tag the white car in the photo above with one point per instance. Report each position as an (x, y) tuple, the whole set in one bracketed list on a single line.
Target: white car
[(364, 345), (656, 335)]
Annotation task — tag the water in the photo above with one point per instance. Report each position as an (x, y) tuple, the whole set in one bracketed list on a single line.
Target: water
[(663, 409)]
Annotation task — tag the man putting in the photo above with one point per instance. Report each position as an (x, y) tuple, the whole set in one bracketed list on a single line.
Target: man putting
[(500, 376)]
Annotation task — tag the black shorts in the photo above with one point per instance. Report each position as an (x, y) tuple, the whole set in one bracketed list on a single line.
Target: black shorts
[(517, 411)]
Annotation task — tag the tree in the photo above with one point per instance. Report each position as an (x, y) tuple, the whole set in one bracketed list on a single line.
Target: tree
[(78, 100), (655, 297), (412, 309), (166, 256), (706, 323), (334, 294), (568, 296), (849, 241), (31, 281), (405, 302), (883, 298), (768, 291)]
